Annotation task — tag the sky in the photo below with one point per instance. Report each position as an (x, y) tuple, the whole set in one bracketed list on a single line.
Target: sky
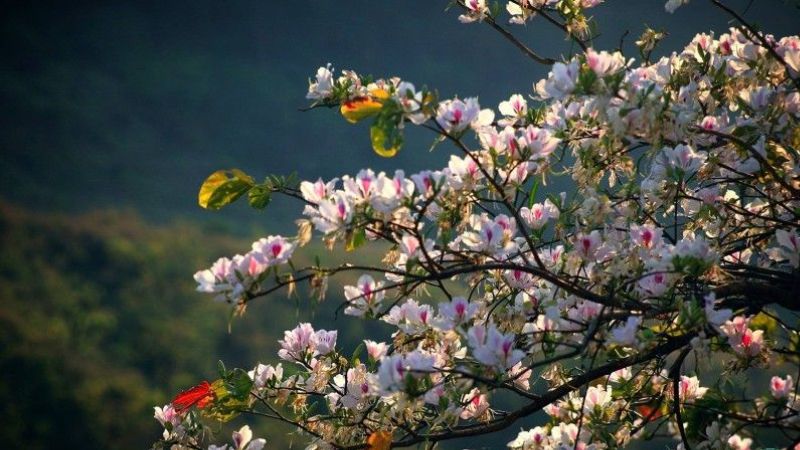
[(132, 104)]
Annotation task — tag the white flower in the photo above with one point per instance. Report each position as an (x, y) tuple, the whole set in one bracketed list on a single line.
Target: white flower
[(358, 386), (654, 284), (361, 187), (758, 98), (560, 81), (324, 341), (167, 415), (457, 311), (318, 191), (715, 317), (217, 277), (533, 439), (604, 63), (683, 157), (672, 5), (389, 193), (365, 296), (410, 100), (243, 440), (464, 171), (693, 247), (596, 399), (587, 244), (621, 375), (454, 116), (626, 334), (520, 375), (513, 109), (263, 373), (333, 213), (303, 341), (394, 369), (540, 142), (410, 317), (476, 10), (322, 86), (296, 343), (789, 247), (493, 348)]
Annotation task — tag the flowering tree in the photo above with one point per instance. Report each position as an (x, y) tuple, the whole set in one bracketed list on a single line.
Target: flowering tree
[(674, 258)]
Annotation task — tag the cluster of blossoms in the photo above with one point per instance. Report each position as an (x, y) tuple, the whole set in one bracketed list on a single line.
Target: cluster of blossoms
[(232, 279), (680, 238)]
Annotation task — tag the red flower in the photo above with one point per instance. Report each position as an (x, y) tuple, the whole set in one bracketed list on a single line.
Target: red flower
[(199, 395)]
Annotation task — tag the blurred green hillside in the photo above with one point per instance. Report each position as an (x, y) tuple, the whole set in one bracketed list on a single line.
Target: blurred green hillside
[(99, 322)]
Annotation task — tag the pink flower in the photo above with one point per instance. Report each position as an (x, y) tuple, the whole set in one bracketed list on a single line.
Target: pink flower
[(301, 342), (457, 311), (781, 387), (475, 404), (539, 214), (376, 350), (273, 250), (689, 388), (296, 343), (737, 443), (646, 236), (742, 339), (587, 244), (520, 375)]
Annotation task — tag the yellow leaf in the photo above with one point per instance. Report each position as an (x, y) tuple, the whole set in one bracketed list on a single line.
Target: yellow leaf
[(360, 108), (380, 94), (378, 137), (223, 187), (764, 322), (379, 440)]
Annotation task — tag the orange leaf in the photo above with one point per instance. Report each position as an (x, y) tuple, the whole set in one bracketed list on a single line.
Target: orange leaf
[(360, 108), (380, 440), (648, 412), (200, 396)]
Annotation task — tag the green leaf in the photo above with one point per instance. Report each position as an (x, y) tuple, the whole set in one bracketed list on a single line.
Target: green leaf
[(238, 384), (355, 239), (223, 187), (532, 195), (221, 369), (259, 196), (356, 352)]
